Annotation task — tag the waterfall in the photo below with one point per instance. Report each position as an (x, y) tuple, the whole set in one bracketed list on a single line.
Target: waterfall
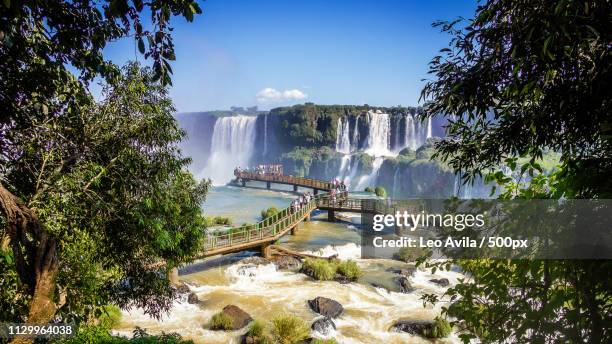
[(379, 134), (396, 176), (428, 128), (370, 179), (265, 143), (233, 142), (356, 133), (343, 143)]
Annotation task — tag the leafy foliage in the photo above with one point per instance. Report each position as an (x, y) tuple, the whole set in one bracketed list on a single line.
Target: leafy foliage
[(441, 328), (217, 221), (368, 189), (271, 211), (109, 185), (289, 329), (518, 80), (320, 269), (349, 269), (221, 321), (101, 335), (380, 191)]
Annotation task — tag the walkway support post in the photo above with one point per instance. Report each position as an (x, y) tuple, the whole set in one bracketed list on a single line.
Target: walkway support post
[(316, 191), (295, 188), (294, 229), (331, 216), (173, 277), (268, 185), (265, 251), (243, 182)]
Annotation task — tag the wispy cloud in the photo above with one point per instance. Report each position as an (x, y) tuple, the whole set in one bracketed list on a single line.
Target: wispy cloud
[(271, 95)]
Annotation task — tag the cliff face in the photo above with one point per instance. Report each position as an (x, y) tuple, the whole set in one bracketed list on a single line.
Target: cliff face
[(326, 142)]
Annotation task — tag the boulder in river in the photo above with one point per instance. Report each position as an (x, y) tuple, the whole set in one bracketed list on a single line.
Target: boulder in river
[(407, 271), (192, 298), (404, 285), (288, 263), (327, 307), (255, 260), (182, 288), (239, 317), (323, 325), (417, 327), (443, 282)]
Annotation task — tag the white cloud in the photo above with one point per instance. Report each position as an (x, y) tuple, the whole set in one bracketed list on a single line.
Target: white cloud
[(268, 95)]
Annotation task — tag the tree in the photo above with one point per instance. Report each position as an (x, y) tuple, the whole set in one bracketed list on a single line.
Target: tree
[(520, 78), (96, 199), (59, 189)]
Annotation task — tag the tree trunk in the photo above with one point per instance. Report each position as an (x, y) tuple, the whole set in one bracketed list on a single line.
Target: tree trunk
[(36, 260)]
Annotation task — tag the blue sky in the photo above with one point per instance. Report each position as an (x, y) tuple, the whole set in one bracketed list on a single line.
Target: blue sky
[(274, 53)]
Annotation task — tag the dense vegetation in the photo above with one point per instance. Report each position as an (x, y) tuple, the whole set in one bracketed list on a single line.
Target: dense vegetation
[(522, 78), (91, 193), (327, 269)]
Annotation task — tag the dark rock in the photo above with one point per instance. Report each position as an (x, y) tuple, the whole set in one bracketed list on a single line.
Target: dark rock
[(323, 325), (255, 260), (250, 340), (376, 285), (404, 285), (342, 279), (443, 282), (239, 317), (288, 263), (249, 270), (192, 298), (182, 288), (418, 327), (327, 307), (407, 271)]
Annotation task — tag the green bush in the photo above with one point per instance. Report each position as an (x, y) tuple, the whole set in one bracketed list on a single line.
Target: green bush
[(323, 341), (110, 316), (289, 329), (268, 212), (101, 335), (217, 221), (380, 191), (221, 321), (368, 189), (319, 269), (256, 329), (440, 329), (409, 254), (349, 269)]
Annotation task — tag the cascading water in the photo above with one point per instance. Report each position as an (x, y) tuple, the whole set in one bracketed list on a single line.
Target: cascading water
[(232, 145), (396, 176), (343, 142), (379, 134), (265, 143)]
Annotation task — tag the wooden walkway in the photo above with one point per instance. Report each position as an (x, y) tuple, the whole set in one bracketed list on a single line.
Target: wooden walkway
[(314, 184), (264, 233)]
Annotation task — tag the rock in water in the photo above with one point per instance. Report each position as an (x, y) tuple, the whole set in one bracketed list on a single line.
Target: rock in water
[(239, 317), (327, 307), (323, 325), (417, 327), (255, 260), (407, 271), (192, 298), (404, 285), (182, 288), (443, 282), (288, 263)]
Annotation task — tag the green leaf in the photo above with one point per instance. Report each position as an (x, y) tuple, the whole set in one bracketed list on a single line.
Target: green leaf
[(141, 45)]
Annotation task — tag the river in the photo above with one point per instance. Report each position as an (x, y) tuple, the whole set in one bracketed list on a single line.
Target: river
[(262, 291)]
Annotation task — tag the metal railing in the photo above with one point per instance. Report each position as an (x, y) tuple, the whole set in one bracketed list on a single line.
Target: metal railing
[(299, 181), (271, 226)]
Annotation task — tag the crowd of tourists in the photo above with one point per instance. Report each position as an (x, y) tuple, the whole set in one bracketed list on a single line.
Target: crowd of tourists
[(301, 201)]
